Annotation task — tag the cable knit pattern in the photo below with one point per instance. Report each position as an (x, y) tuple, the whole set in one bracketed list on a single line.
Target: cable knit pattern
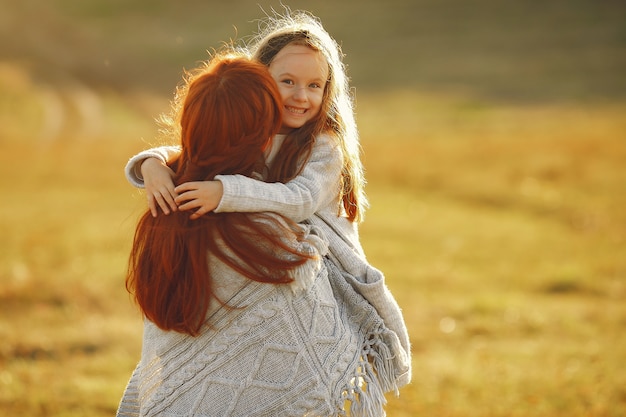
[(369, 325), (274, 353)]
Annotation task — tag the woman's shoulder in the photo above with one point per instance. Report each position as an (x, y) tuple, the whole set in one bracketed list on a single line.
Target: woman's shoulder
[(294, 238), (305, 238), (315, 244)]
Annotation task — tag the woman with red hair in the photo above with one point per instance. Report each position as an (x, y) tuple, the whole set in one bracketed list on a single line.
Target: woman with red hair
[(221, 132), (244, 315)]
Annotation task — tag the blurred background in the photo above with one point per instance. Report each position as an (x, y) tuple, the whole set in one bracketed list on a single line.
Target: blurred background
[(494, 139), (511, 50)]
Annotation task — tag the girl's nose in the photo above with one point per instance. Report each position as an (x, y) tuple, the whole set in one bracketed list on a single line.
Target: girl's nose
[(300, 94)]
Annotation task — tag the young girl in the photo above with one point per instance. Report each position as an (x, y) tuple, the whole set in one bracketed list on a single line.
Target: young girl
[(313, 170), (242, 317), (316, 154)]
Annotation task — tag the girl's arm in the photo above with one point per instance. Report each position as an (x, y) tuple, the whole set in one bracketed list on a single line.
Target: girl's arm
[(316, 187), (132, 170), (148, 169)]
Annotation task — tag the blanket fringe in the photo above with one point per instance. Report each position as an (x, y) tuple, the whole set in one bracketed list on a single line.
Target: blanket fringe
[(375, 377)]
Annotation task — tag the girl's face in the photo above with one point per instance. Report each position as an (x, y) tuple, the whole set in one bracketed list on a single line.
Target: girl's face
[(301, 75)]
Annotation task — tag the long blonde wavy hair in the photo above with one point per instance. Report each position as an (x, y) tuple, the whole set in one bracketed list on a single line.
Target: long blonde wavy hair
[(336, 116)]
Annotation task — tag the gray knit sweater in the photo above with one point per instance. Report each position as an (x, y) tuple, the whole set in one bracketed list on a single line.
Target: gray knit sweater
[(311, 348), (312, 197)]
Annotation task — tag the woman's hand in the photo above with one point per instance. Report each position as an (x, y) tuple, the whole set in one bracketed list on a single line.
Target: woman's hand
[(204, 196), (159, 185)]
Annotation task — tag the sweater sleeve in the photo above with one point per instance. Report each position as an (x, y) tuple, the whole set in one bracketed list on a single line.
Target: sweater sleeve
[(317, 186), (133, 166)]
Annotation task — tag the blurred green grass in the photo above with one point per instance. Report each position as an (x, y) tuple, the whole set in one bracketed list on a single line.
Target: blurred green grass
[(498, 50), (494, 151)]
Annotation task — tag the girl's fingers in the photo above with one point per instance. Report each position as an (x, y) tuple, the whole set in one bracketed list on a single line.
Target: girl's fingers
[(184, 197), (189, 205), (169, 198), (187, 186), (162, 203), (152, 206)]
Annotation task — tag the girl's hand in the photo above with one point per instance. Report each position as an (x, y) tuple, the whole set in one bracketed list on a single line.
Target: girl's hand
[(204, 196), (159, 185)]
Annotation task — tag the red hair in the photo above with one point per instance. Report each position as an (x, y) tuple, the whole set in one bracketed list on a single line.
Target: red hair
[(229, 109)]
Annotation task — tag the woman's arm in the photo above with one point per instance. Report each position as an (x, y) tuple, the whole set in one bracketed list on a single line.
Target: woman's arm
[(148, 169), (316, 187)]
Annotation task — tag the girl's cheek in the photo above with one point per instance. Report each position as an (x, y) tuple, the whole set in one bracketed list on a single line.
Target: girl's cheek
[(318, 104)]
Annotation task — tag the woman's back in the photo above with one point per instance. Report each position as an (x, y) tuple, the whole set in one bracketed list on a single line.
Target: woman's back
[(268, 350)]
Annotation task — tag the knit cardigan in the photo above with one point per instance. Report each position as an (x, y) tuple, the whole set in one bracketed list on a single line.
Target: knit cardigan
[(315, 347)]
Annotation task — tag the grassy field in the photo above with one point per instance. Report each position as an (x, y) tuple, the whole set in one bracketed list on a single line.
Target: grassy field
[(503, 236), (501, 231), (496, 179)]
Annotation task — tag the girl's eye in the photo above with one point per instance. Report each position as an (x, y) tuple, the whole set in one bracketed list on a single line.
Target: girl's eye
[(315, 85), (288, 82)]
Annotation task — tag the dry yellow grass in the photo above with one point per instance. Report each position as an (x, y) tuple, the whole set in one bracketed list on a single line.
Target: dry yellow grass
[(503, 235), (500, 229)]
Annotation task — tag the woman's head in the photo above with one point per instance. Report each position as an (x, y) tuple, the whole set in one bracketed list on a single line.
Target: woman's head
[(280, 41), (230, 108)]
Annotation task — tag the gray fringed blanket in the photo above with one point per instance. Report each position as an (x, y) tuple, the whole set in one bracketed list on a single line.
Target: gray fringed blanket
[(320, 350)]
